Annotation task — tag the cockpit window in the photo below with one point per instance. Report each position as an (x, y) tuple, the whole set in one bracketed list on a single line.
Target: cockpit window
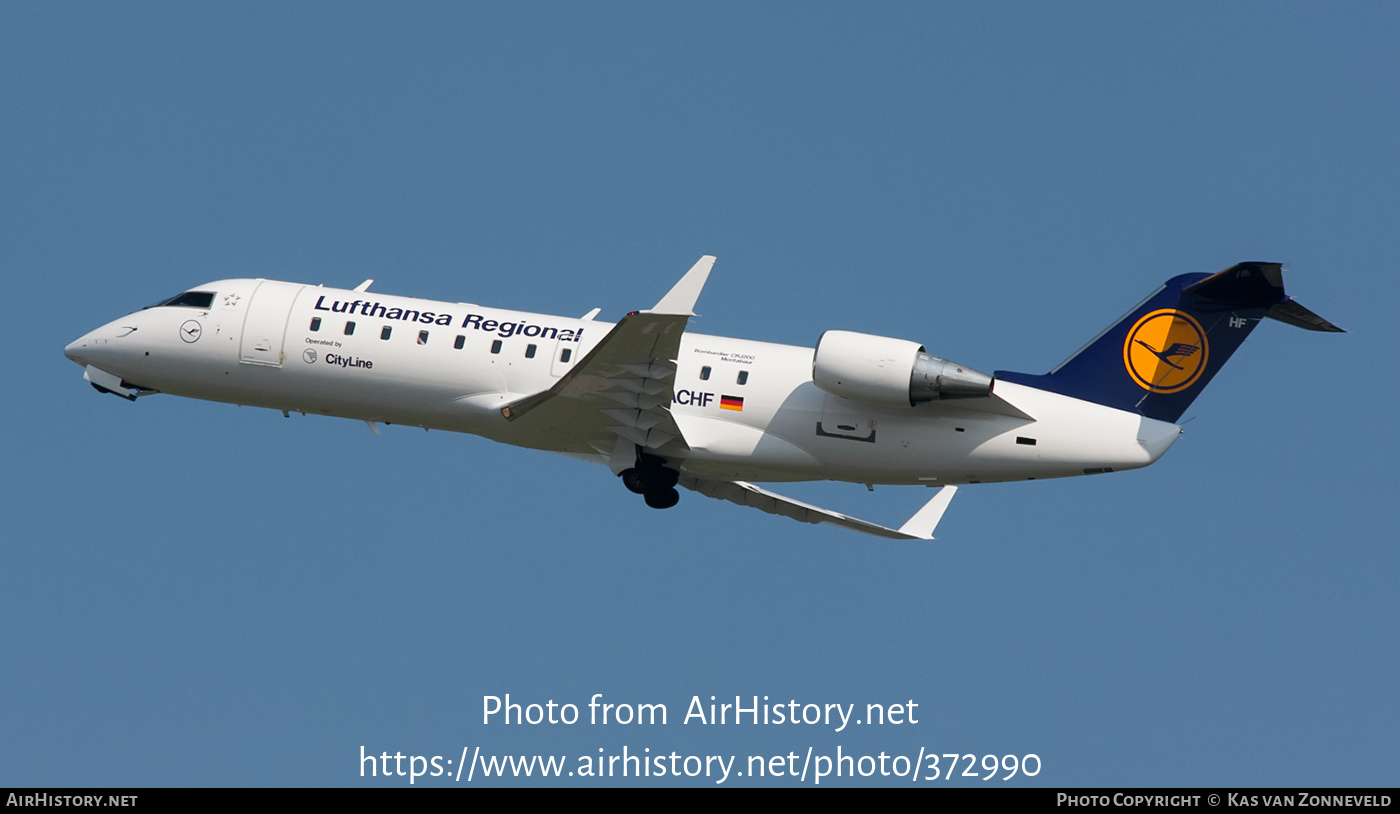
[(189, 299)]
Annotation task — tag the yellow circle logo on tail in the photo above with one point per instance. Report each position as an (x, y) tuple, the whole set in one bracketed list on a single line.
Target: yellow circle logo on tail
[(1166, 351)]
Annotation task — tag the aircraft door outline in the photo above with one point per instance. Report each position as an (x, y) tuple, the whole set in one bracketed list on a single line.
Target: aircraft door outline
[(265, 323)]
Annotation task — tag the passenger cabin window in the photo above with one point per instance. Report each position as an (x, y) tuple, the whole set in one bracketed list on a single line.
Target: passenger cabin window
[(743, 377), (349, 328), (529, 351), (461, 340), (422, 337), (705, 373), (315, 323), (385, 331), (189, 299), (565, 354), (496, 346)]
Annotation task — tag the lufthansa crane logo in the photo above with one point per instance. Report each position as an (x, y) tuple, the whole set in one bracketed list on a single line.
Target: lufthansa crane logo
[(1166, 351)]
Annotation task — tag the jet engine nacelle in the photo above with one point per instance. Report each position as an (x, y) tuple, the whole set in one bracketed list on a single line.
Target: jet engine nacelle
[(890, 371)]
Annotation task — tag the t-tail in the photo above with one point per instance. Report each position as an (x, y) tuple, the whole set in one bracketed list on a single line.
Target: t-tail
[(1162, 354)]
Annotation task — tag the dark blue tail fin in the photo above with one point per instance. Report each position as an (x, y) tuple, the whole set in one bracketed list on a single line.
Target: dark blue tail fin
[(1162, 354)]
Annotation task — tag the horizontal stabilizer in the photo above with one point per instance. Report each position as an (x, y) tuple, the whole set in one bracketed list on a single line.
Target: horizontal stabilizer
[(919, 527), (1296, 315), (1248, 284)]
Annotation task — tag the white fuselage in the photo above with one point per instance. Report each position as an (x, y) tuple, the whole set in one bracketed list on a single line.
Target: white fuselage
[(453, 366)]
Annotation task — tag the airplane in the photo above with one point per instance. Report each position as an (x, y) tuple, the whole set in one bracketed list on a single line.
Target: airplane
[(663, 407)]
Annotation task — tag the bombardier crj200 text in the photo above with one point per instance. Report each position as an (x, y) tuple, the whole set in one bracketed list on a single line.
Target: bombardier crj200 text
[(662, 406)]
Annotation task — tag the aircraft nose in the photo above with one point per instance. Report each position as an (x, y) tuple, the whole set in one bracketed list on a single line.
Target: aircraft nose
[(97, 347), (76, 349)]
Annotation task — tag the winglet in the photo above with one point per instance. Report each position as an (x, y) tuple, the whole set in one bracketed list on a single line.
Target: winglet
[(925, 520), (682, 296)]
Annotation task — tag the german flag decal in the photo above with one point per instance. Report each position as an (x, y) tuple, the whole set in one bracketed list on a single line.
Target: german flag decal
[(731, 403)]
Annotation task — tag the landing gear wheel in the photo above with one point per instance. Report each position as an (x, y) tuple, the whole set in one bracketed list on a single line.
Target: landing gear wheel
[(663, 498), (632, 479)]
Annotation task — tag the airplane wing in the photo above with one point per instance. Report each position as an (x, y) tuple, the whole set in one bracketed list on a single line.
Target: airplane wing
[(620, 393), (919, 527)]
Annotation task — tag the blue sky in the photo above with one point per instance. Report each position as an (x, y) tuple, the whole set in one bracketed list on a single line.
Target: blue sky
[(201, 594)]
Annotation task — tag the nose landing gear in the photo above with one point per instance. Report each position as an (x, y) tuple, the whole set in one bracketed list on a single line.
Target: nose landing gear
[(653, 480)]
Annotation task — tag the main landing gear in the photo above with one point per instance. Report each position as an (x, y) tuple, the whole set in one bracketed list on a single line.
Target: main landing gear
[(653, 480)]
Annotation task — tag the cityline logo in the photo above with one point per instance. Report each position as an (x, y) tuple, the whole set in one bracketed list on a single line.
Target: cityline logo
[(1166, 351)]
